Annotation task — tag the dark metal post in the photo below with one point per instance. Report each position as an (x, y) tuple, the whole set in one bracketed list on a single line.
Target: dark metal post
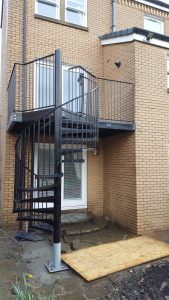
[(56, 264), (58, 145), (32, 168), (24, 57)]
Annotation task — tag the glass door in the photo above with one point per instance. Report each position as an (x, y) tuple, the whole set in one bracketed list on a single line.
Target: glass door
[(74, 181)]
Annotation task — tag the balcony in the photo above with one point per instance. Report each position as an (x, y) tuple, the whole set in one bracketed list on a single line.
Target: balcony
[(31, 95)]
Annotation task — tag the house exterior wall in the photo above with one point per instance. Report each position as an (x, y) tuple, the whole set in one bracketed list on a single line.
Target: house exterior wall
[(131, 14), (43, 37), (120, 201), (11, 52), (95, 180), (128, 178), (136, 166), (152, 137)]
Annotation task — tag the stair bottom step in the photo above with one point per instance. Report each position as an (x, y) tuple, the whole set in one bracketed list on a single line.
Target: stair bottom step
[(67, 218), (74, 229)]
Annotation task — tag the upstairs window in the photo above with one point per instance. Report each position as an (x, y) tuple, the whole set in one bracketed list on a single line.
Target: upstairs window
[(76, 12), (153, 24), (48, 8), (72, 11)]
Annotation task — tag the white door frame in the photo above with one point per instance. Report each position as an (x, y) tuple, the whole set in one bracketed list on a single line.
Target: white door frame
[(76, 203), (69, 203)]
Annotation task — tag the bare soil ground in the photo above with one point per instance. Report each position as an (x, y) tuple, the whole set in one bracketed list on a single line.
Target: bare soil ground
[(148, 282)]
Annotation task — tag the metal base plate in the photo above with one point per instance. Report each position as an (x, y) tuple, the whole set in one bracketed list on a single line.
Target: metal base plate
[(52, 269)]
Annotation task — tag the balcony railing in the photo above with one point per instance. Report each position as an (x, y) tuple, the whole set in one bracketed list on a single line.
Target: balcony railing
[(31, 87), (116, 100)]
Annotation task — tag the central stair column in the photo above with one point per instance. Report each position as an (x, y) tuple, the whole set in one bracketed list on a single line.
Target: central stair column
[(56, 264)]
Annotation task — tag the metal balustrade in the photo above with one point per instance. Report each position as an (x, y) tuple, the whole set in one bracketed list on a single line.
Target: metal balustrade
[(31, 87)]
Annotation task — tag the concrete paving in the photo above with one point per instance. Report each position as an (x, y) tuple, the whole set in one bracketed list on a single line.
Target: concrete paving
[(17, 258)]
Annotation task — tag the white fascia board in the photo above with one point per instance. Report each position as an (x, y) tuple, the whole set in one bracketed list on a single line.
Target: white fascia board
[(118, 40), (153, 5), (134, 37)]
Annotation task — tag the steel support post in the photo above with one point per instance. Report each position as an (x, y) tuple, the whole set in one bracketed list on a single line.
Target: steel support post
[(56, 264)]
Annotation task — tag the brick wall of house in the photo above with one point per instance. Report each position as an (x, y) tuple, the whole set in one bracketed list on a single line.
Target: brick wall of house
[(119, 149), (78, 46), (95, 180), (152, 137), (43, 37), (131, 14), (120, 202), (11, 52), (128, 178), (136, 166)]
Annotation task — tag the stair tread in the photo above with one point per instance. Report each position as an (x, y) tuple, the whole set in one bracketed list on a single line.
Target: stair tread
[(40, 199), (35, 189), (35, 219), (38, 210), (67, 219), (79, 140), (49, 176)]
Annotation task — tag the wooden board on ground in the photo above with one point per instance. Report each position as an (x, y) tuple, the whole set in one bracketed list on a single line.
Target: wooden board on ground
[(98, 261)]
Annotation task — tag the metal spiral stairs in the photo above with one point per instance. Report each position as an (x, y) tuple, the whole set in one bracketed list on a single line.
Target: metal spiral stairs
[(63, 133)]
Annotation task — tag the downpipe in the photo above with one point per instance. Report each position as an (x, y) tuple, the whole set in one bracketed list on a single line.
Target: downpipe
[(114, 14)]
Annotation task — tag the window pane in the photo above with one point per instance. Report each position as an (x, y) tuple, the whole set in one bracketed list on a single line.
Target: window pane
[(46, 9), (45, 166), (153, 25), (72, 179), (72, 89), (74, 17), (44, 86), (78, 4), (71, 85)]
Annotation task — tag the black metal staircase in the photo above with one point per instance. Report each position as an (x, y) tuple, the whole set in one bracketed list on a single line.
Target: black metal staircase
[(60, 135), (54, 111)]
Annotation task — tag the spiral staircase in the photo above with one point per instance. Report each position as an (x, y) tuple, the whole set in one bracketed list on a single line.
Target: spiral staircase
[(70, 127)]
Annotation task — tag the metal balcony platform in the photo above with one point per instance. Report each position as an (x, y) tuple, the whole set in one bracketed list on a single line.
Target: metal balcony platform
[(19, 120), (109, 127)]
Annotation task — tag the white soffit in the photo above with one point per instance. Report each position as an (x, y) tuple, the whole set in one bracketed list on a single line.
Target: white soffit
[(158, 6), (135, 37)]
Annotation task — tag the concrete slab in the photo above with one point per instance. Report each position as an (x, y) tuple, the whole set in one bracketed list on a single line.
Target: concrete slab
[(30, 257)]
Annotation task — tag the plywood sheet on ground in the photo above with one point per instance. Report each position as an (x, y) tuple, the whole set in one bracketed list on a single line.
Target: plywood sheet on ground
[(98, 261)]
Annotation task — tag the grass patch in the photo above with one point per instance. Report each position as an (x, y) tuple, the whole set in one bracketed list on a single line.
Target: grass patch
[(21, 291)]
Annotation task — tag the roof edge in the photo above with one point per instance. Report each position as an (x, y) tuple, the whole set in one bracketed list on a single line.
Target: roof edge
[(137, 30)]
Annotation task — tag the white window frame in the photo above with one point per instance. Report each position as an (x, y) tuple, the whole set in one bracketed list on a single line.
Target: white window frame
[(49, 2), (155, 19), (84, 12)]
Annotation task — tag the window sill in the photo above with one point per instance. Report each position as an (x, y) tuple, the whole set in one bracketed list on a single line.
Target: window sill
[(61, 22)]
